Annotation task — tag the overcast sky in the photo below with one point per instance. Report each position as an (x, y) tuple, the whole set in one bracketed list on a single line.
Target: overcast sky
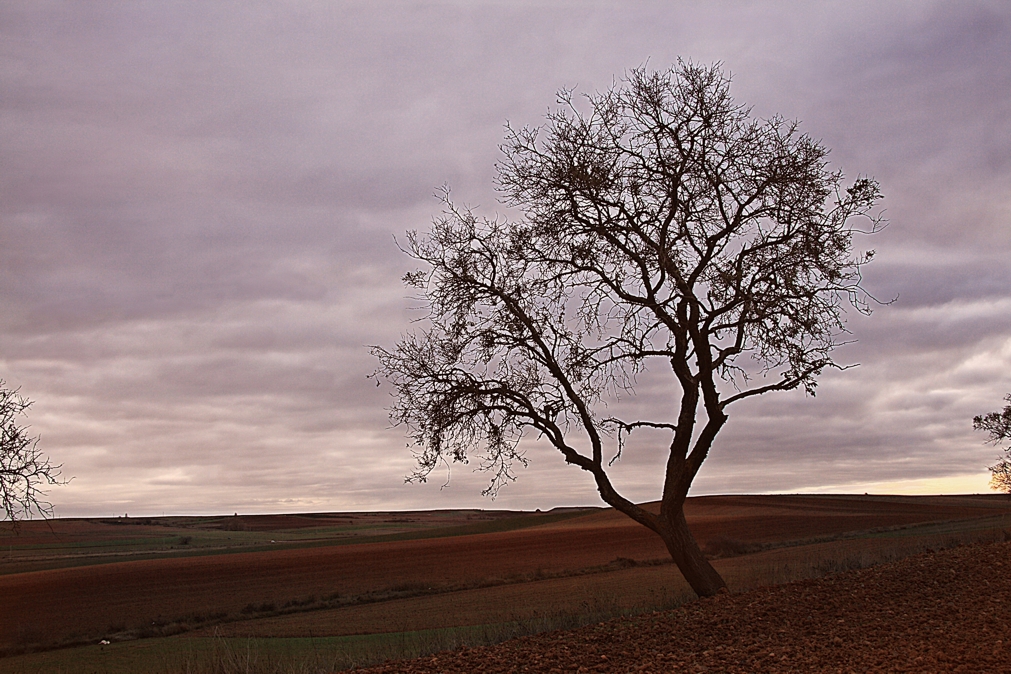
[(198, 204)]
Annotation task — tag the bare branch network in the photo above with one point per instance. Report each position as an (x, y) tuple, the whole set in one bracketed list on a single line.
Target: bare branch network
[(24, 470), (662, 227), (998, 426)]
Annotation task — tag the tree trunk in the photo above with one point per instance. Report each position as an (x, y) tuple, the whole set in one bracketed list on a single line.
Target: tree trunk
[(686, 553)]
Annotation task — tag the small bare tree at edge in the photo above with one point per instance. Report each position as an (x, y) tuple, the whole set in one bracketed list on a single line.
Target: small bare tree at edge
[(998, 425), (24, 469), (661, 227)]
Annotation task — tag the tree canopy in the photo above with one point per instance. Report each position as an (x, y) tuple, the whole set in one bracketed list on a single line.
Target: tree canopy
[(24, 469), (661, 227), (998, 426)]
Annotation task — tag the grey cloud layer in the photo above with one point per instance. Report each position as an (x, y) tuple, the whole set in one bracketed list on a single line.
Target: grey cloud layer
[(198, 204)]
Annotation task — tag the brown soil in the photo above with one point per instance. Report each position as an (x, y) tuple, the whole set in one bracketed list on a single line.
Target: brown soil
[(935, 612), (60, 534), (128, 595), (84, 602)]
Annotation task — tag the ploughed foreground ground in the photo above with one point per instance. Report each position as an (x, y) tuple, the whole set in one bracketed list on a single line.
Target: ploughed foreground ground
[(933, 612), (343, 589)]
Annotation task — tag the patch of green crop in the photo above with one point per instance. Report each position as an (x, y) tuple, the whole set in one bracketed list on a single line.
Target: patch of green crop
[(281, 655)]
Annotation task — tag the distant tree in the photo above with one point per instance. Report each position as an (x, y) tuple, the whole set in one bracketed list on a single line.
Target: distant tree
[(24, 469), (998, 425), (663, 227)]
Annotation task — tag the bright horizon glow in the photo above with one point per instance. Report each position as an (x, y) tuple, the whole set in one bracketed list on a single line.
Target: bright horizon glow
[(949, 485), (956, 485)]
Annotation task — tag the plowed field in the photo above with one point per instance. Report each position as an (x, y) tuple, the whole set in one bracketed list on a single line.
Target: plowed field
[(538, 569), (938, 612)]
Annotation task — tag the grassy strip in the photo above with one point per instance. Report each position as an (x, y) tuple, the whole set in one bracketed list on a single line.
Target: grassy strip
[(774, 567), (722, 547), (162, 627), (520, 521), (494, 526), (218, 655)]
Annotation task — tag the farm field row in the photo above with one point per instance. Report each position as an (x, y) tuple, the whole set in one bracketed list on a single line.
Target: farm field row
[(594, 564), (634, 589), (200, 652), (62, 543)]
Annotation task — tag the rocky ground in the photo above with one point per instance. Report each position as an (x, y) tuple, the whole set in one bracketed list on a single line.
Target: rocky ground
[(948, 611)]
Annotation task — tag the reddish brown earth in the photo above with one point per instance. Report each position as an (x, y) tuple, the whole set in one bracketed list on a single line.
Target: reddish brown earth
[(59, 604), (940, 612), (66, 532), (124, 595)]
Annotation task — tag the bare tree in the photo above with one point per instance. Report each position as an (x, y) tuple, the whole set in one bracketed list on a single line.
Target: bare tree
[(998, 425), (24, 469), (662, 227)]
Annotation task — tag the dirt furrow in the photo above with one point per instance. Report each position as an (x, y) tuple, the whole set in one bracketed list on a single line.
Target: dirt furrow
[(948, 611)]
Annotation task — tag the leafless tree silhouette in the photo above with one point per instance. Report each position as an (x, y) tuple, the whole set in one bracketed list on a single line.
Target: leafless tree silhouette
[(24, 469), (998, 425), (662, 226)]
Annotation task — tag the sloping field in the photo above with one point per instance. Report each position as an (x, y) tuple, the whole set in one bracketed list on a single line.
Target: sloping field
[(61, 543), (130, 595), (932, 612), (788, 517), (617, 588), (569, 565), (937, 612)]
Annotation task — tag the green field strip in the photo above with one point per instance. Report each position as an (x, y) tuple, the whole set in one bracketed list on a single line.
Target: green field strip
[(195, 654), (520, 521), (942, 527), (78, 545), (914, 530)]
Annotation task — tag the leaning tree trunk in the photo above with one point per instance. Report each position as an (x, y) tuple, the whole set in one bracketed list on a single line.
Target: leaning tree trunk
[(689, 558)]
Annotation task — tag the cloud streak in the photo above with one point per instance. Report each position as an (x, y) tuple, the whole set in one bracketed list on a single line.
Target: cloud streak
[(198, 206)]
